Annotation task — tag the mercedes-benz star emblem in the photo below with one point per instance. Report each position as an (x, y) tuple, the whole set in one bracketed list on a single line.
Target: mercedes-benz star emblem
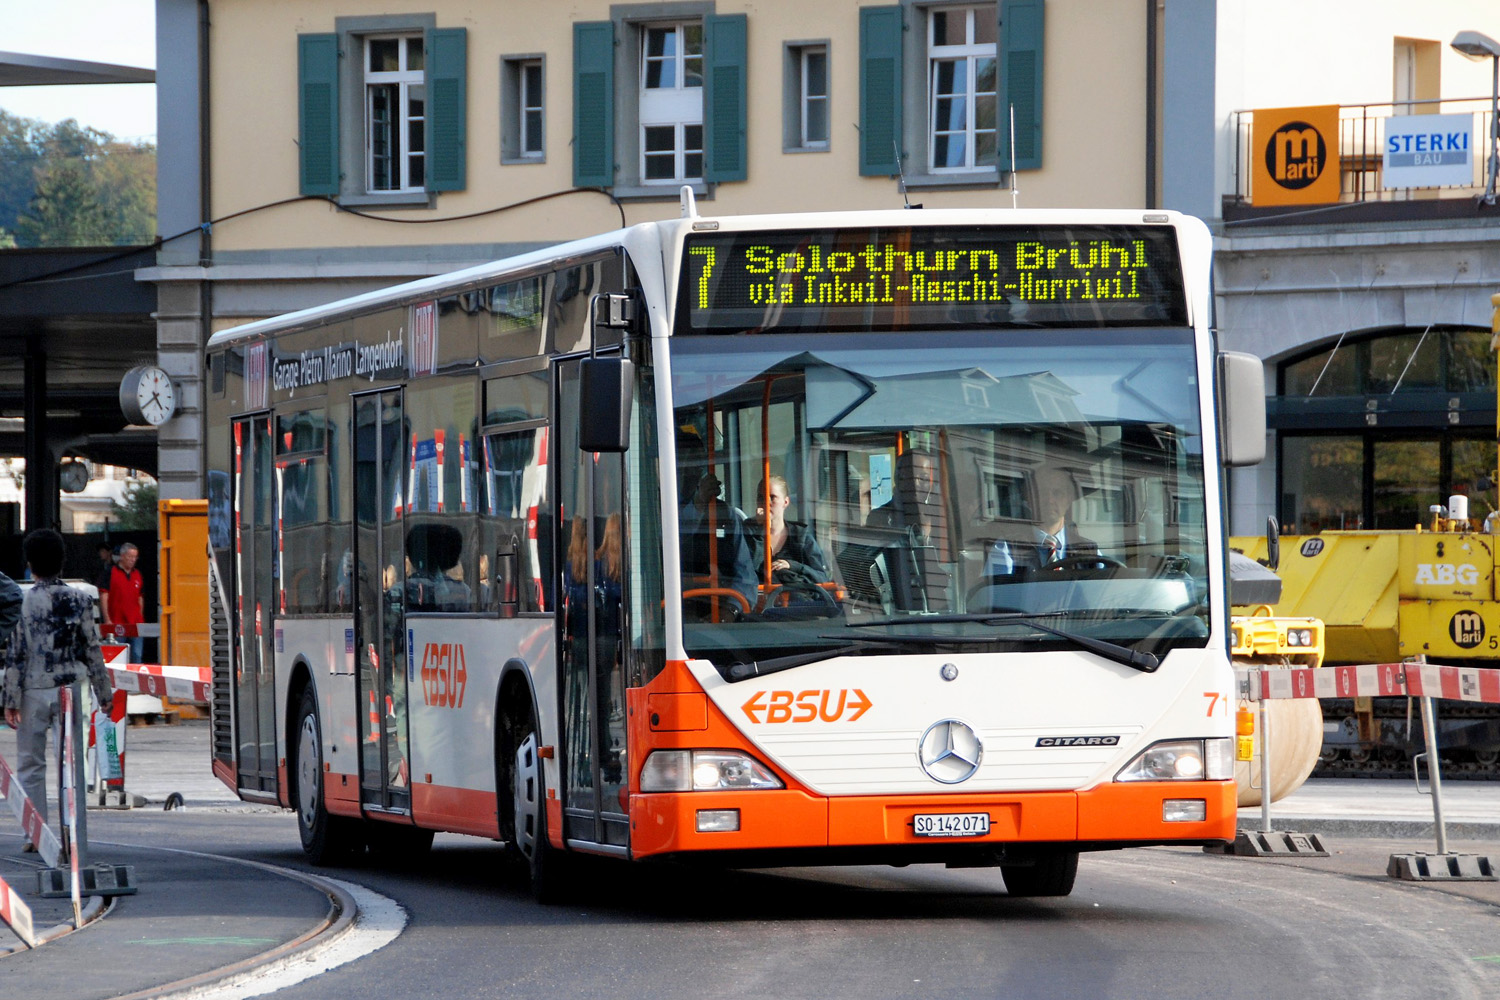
[(950, 751)]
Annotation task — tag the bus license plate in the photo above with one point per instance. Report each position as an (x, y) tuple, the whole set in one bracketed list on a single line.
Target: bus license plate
[(951, 824)]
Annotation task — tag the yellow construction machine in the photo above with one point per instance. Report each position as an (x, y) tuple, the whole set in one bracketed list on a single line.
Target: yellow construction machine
[(1384, 596)]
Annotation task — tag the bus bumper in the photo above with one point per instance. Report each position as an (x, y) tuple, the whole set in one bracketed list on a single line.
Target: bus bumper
[(1114, 815)]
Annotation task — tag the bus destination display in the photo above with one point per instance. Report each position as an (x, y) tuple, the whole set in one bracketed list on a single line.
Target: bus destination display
[(910, 277)]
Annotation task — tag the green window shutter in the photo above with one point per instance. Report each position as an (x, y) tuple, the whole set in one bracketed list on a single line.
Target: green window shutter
[(1021, 36), (594, 104), (318, 114), (724, 109), (447, 108), (880, 30)]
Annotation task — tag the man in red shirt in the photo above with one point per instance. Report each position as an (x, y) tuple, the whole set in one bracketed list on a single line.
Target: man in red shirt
[(123, 606)]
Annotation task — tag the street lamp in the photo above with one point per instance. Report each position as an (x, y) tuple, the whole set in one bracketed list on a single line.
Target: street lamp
[(1477, 46)]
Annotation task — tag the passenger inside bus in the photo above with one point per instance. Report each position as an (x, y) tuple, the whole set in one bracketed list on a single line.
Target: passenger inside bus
[(912, 569), (796, 557), (434, 552), (715, 550)]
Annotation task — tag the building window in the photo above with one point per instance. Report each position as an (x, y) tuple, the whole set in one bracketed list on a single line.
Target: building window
[(671, 103), (807, 96), (395, 114), (523, 102), (1375, 429), (961, 76)]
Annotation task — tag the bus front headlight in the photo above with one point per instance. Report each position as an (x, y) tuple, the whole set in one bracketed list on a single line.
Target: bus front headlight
[(704, 771), (1182, 760)]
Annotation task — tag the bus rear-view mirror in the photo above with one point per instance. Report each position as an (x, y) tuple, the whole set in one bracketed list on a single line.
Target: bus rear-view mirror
[(607, 392)]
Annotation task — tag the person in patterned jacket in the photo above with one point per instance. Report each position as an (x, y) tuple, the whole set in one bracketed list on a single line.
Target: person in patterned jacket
[(56, 643)]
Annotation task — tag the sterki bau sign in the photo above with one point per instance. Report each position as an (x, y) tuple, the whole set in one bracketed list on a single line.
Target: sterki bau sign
[(1428, 151)]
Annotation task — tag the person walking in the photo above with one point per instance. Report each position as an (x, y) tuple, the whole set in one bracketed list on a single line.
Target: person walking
[(55, 643), (123, 603)]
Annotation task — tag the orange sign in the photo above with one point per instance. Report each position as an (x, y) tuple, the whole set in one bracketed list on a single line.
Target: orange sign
[(1294, 156), (805, 706)]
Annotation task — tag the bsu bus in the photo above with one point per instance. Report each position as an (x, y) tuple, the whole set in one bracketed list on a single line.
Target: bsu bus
[(876, 537)]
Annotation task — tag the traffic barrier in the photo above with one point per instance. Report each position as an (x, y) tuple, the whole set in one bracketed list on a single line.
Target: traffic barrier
[(1380, 680), (15, 912), (39, 833), (1418, 679), (179, 683)]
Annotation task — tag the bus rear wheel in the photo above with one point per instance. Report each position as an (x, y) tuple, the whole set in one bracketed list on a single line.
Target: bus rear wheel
[(326, 839), (1052, 875)]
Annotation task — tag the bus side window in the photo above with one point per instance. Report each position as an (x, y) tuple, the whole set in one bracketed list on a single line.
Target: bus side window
[(302, 504), (441, 495), (514, 505)]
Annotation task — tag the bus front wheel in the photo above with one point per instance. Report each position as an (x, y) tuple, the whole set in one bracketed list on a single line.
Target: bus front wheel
[(1052, 875), (544, 863), (326, 839)]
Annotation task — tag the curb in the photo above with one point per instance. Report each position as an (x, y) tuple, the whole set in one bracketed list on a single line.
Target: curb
[(1375, 827), (342, 911), (96, 907)]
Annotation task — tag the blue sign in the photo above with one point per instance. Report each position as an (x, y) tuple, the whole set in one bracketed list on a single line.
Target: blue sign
[(1428, 151)]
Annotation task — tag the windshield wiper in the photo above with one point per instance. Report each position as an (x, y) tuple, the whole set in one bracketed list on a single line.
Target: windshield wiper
[(756, 668), (1146, 663)]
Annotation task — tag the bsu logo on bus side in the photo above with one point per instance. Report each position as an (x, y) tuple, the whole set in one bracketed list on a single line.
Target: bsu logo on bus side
[(445, 674)]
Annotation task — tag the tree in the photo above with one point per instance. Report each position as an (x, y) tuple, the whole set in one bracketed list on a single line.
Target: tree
[(68, 185), (65, 209), (138, 512)]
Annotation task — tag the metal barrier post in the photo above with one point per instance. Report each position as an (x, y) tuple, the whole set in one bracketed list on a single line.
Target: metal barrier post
[(1267, 841), (1434, 772), (1265, 765), (83, 880), (1443, 865)]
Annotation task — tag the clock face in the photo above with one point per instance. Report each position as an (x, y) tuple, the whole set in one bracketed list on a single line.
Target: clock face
[(155, 396)]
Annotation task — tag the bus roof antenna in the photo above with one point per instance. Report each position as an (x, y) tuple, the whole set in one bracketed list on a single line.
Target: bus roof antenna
[(902, 175), (689, 202)]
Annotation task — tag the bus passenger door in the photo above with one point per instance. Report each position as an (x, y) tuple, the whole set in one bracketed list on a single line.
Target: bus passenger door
[(591, 647), (381, 447), (254, 587)]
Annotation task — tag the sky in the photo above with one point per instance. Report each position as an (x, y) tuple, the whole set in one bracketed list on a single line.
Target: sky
[(121, 32)]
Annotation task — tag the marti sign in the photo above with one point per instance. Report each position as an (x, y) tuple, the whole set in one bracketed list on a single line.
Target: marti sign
[(1294, 158), (1427, 151)]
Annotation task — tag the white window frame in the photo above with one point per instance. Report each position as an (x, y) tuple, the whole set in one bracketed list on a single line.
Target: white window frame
[(807, 100), (529, 103), (679, 106), (967, 57), (403, 79)]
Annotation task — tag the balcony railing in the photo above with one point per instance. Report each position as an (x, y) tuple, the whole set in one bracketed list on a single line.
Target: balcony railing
[(1361, 146)]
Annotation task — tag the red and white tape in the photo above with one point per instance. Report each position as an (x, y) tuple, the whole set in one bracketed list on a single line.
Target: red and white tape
[(181, 683), (47, 844), (1379, 680), (15, 912)]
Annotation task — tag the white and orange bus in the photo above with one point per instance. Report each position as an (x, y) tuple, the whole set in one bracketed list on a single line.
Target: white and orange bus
[(492, 554)]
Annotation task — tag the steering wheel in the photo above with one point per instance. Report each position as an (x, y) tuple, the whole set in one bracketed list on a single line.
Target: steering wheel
[(1084, 560), (735, 608), (781, 595)]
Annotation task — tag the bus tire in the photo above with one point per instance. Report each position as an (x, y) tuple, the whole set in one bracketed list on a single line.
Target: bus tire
[(1052, 875), (326, 839), (545, 865), (397, 845)]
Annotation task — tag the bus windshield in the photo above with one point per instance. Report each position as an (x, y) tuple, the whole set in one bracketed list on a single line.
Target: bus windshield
[(939, 486)]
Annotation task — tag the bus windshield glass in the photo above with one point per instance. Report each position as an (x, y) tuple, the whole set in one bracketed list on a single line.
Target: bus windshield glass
[(938, 486)]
